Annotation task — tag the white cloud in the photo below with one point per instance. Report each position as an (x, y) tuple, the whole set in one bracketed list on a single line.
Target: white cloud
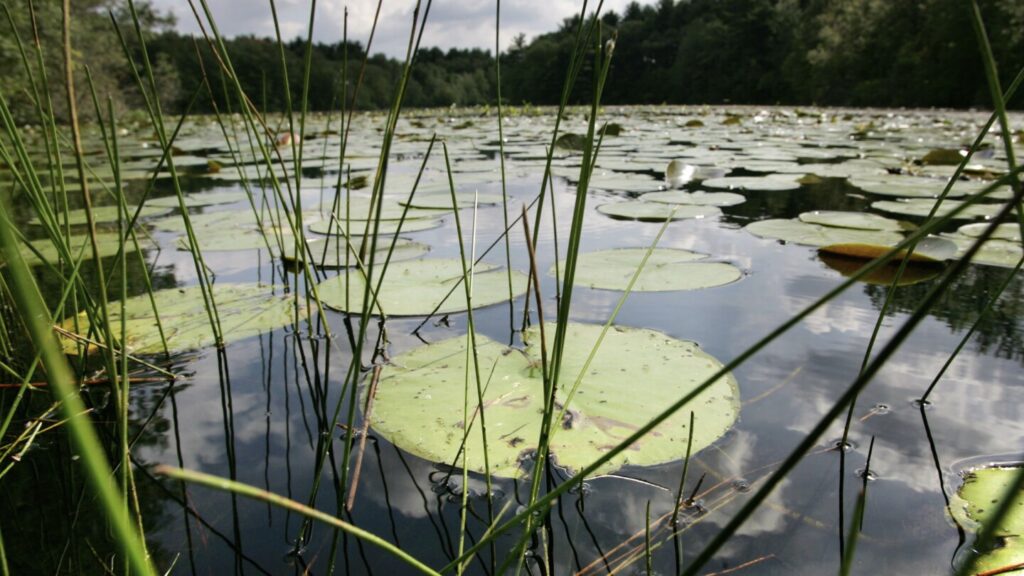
[(451, 24)]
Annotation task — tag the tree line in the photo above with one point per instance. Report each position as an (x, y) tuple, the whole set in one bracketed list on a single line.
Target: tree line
[(920, 53)]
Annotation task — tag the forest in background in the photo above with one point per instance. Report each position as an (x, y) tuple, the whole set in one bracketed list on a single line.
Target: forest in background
[(920, 53)]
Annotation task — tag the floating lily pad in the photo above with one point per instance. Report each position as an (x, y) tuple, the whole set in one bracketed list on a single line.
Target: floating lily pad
[(419, 401), (230, 239), (931, 249), (386, 226), (570, 141), (855, 220), (906, 186), (655, 211), (922, 207), (1009, 231), (666, 269), (199, 199), (106, 214), (809, 234), (244, 310), (764, 183), (108, 244), (332, 253), (976, 503), (698, 198), (416, 287), (995, 252), (943, 157), (443, 201)]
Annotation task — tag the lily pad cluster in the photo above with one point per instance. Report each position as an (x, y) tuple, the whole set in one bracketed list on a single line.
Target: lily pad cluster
[(634, 375)]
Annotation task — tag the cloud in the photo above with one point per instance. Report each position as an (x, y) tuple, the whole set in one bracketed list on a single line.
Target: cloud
[(450, 24)]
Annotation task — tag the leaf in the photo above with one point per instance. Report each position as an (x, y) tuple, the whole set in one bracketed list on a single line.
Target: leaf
[(943, 157), (808, 234), (666, 269), (1006, 231), (244, 309), (105, 214), (331, 252), (635, 373), (108, 243), (914, 273), (698, 198), (570, 141), (922, 207), (854, 220), (930, 249), (763, 183), (386, 226), (200, 199), (976, 502), (443, 201), (230, 239), (416, 287), (995, 252), (655, 212)]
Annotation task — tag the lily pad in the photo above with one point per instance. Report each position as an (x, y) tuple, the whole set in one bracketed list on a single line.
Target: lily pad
[(655, 211), (931, 249), (244, 310), (444, 201), (419, 400), (331, 252), (698, 198), (386, 226), (809, 234), (906, 186), (666, 269), (231, 239), (975, 505), (923, 206), (106, 214), (763, 183), (855, 220), (1009, 231), (995, 252), (199, 199), (943, 157), (416, 287), (108, 243)]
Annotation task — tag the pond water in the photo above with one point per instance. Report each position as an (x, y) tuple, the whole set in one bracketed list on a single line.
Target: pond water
[(259, 411)]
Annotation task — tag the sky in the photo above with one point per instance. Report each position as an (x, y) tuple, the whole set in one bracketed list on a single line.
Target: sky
[(451, 24)]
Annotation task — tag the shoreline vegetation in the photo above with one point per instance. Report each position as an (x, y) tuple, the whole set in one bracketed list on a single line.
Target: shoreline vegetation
[(850, 53)]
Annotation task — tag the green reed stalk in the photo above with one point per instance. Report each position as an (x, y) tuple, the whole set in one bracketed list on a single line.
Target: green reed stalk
[(83, 435), (501, 156), (774, 334), (857, 522), (682, 477), (467, 275), (248, 491)]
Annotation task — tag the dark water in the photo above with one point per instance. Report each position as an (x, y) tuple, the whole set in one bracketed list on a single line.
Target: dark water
[(255, 413)]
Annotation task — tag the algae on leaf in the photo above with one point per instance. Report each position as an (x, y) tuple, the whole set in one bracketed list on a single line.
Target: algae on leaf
[(244, 309), (634, 375)]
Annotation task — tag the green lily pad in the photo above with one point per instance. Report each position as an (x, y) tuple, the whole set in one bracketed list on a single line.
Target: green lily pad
[(386, 226), (655, 211), (1009, 231), (231, 239), (419, 401), (698, 198), (923, 206), (108, 244), (199, 199), (943, 157), (854, 220), (995, 252), (106, 214), (809, 234), (570, 141), (906, 186), (443, 201), (931, 249), (244, 310), (763, 183), (331, 252), (975, 504), (666, 269), (416, 287)]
